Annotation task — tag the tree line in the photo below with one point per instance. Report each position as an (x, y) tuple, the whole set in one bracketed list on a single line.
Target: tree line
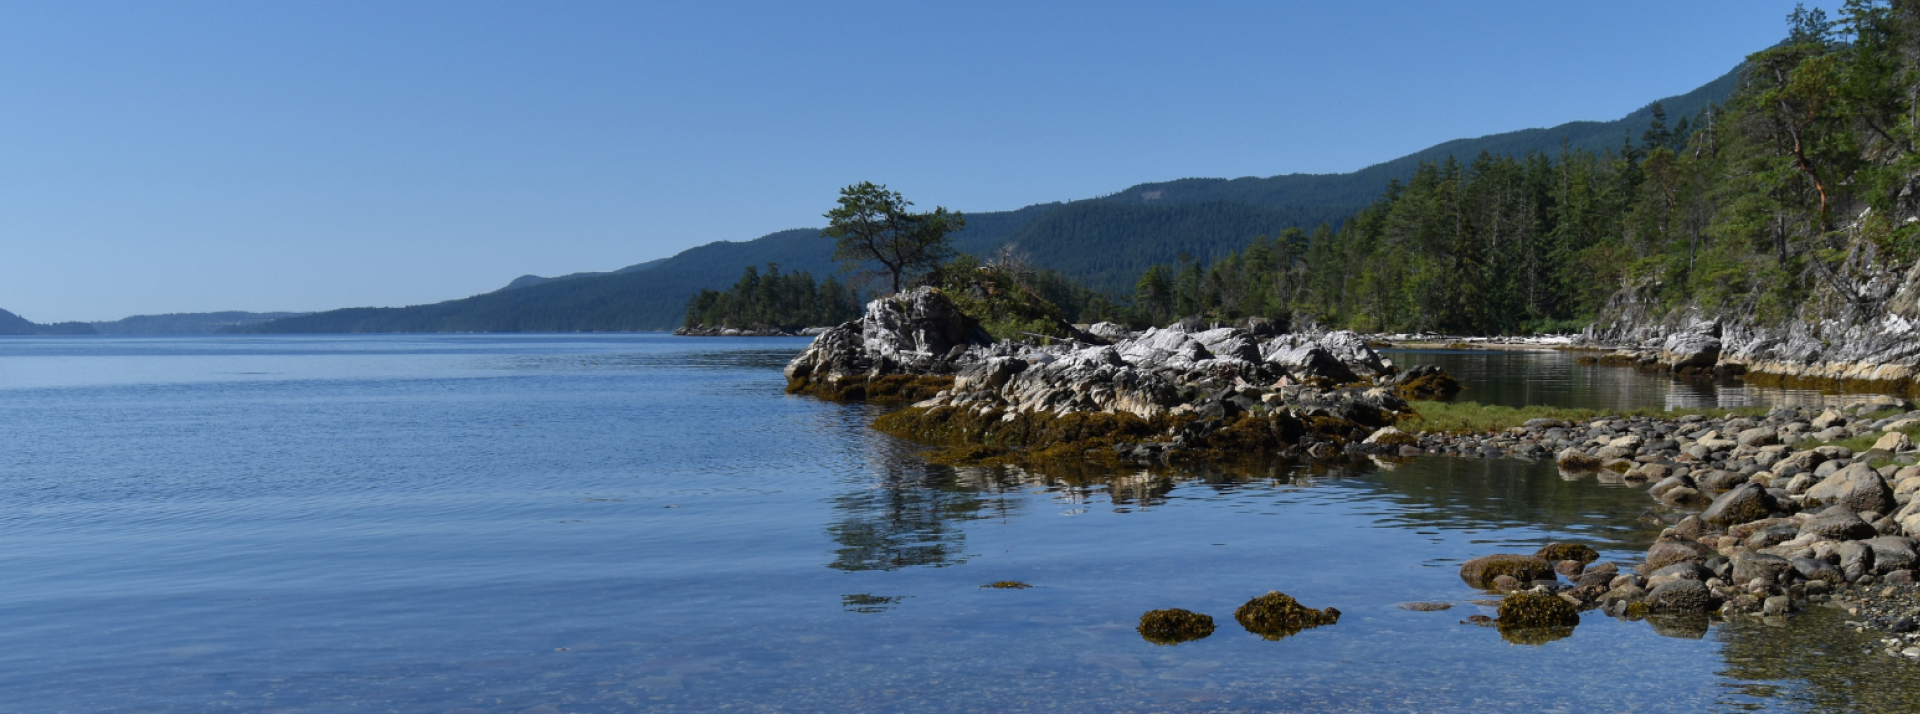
[(787, 301)]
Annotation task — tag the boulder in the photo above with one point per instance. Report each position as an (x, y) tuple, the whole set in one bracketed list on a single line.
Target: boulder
[(1891, 553), (1530, 609), (1857, 487), (1757, 436), (1681, 597), (1744, 504), (1668, 552), (1480, 572), (1747, 566), (1894, 441), (1837, 522), (1690, 350)]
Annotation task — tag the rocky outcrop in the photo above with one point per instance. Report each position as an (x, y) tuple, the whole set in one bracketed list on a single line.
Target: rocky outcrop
[(1859, 329), (1142, 397)]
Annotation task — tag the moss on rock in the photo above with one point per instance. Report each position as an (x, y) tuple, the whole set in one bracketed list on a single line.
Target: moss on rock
[(1576, 462), (1276, 615), (888, 389), (1481, 571), (1174, 626), (1531, 609), (1556, 552)]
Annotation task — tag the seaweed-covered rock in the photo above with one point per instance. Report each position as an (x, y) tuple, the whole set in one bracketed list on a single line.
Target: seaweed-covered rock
[(1745, 503), (1481, 571), (1425, 381), (1174, 626), (1572, 461), (1530, 609), (1556, 552), (1276, 615)]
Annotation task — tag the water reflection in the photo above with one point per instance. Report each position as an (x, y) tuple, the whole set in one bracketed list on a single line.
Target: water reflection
[(908, 516), (1814, 663), (1518, 378)]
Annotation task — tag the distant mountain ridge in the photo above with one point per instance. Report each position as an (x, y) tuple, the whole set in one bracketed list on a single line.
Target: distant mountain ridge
[(186, 323), (11, 324), (1104, 242)]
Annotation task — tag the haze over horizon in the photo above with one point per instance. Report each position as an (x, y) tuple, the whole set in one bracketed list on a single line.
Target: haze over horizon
[(220, 156)]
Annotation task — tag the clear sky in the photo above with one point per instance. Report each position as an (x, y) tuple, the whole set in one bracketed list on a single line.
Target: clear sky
[(192, 156)]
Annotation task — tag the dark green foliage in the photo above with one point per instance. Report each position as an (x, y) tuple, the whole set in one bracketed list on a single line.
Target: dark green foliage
[(872, 225), (790, 301)]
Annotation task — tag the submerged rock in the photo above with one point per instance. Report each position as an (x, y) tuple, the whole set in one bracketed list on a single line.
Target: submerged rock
[(1174, 626), (1275, 615)]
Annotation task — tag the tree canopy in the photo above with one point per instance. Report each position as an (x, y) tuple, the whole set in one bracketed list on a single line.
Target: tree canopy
[(871, 224)]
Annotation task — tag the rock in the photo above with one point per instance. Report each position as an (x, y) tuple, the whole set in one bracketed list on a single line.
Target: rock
[(1555, 552), (1274, 615), (1529, 610), (1389, 436), (1681, 597), (1829, 419), (1688, 571), (1777, 606), (1813, 569), (1109, 331), (1891, 553), (1744, 504), (1507, 583), (1174, 626), (1857, 487), (1684, 496), (1690, 351), (1668, 552), (1748, 566), (1757, 436), (1837, 522), (1894, 441), (1480, 572)]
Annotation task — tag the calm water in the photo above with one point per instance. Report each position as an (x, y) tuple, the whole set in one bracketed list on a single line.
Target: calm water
[(626, 523)]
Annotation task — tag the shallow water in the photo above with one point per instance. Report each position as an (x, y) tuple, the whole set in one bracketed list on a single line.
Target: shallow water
[(1547, 377), (620, 523)]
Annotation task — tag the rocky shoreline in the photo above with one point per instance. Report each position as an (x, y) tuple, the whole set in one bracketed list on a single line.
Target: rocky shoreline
[(1765, 513), (1108, 396), (723, 331)]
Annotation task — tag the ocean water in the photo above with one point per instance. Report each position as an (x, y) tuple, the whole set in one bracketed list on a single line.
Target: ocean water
[(646, 523)]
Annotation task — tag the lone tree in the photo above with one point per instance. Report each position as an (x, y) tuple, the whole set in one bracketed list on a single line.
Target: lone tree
[(874, 225)]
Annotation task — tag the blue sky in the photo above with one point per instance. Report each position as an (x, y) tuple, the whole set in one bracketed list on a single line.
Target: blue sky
[(194, 156)]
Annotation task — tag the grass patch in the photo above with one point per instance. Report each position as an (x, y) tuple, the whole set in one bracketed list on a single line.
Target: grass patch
[(1473, 417)]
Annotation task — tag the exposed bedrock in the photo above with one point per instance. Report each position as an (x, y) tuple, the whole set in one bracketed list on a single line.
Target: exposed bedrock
[(1272, 391)]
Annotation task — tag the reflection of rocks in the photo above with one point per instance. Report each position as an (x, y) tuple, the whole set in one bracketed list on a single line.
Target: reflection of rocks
[(1685, 627), (908, 520), (1174, 626)]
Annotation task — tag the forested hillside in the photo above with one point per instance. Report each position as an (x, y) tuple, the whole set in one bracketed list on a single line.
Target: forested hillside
[(1105, 242), (1797, 203)]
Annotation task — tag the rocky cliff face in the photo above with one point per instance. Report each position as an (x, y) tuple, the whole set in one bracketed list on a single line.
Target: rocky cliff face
[(1860, 329)]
